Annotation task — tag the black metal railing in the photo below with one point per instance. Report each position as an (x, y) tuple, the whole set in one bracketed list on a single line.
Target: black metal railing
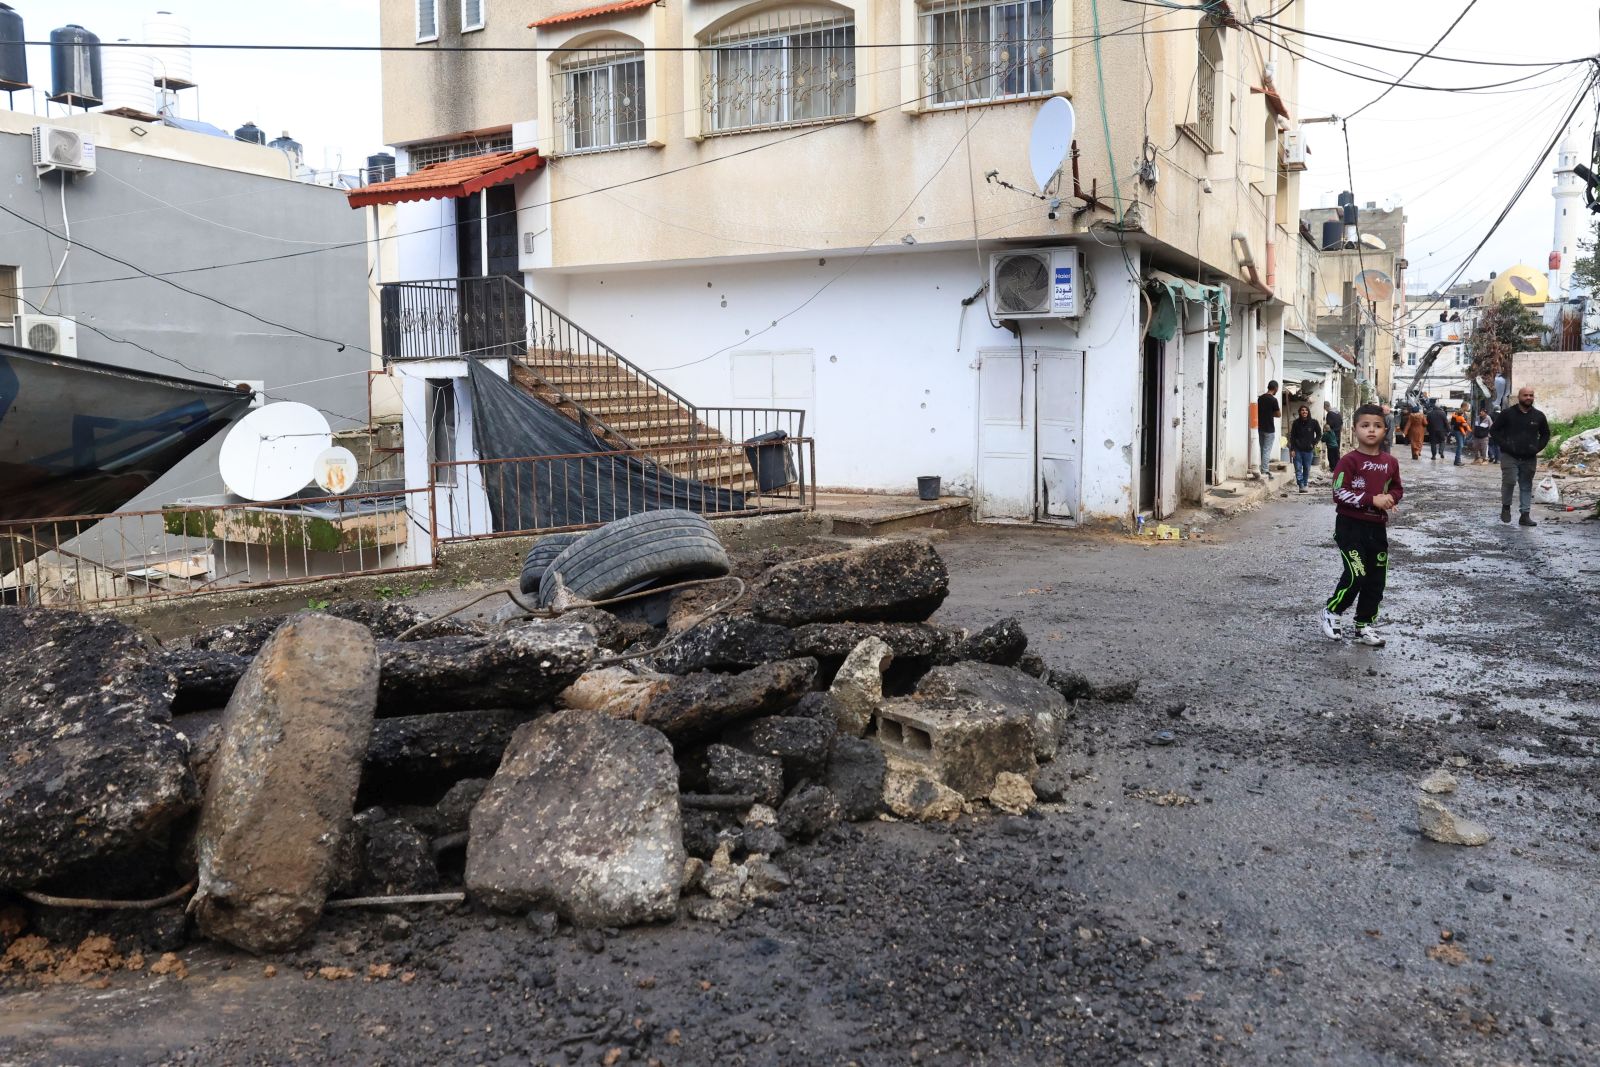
[(561, 362)]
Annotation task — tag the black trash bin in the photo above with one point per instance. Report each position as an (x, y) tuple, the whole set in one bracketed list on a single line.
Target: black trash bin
[(771, 460)]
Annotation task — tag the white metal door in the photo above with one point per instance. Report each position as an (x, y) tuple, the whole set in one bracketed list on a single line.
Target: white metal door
[(1059, 389), (1030, 406)]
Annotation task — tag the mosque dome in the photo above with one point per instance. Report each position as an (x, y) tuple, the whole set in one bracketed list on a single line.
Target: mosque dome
[(1521, 281)]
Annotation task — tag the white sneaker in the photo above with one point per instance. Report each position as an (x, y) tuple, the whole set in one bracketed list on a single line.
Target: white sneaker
[(1331, 627), (1367, 635)]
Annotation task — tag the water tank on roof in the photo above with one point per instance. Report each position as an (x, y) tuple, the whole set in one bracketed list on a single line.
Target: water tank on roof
[(75, 67), (380, 167), (173, 62), (250, 132), (13, 54), (1332, 234), (128, 87), (1346, 199), (290, 147)]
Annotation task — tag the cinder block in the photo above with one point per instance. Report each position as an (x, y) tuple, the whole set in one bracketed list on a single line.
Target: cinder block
[(963, 744)]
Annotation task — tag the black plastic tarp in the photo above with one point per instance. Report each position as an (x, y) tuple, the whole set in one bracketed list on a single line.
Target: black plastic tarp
[(507, 423)]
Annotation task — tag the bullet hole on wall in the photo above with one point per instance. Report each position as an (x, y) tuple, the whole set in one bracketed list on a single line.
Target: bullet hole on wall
[(724, 301), (924, 405), (708, 285), (833, 359), (822, 262), (1110, 443)]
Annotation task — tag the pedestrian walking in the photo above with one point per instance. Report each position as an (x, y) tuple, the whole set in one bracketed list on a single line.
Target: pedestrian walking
[(1460, 429), (1438, 426), (1366, 488), (1480, 436), (1303, 434), (1388, 428), (1334, 422), (1416, 425), (1267, 412), (1521, 431)]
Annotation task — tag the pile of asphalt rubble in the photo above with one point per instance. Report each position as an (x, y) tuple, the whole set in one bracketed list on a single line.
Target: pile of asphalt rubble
[(282, 764)]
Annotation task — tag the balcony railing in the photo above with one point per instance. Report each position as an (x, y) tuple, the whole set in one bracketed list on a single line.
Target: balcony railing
[(566, 365)]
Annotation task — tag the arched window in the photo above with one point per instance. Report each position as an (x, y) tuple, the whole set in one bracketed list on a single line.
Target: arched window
[(598, 97), (987, 50), (779, 67)]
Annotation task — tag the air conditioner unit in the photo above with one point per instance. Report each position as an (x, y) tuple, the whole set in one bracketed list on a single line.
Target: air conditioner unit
[(55, 334), (1043, 283), (1294, 150), (58, 148)]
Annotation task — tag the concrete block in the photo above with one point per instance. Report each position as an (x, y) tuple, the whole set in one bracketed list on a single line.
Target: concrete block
[(964, 744)]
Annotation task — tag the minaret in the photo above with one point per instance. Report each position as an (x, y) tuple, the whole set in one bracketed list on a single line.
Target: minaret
[(1568, 193)]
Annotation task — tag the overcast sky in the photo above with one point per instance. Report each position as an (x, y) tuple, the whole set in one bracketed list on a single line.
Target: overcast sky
[(1451, 158)]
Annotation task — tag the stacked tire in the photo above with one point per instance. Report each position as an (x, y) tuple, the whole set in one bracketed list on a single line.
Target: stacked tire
[(653, 548), (540, 556)]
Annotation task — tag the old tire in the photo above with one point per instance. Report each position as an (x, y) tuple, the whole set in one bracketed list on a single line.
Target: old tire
[(540, 556), (651, 548)]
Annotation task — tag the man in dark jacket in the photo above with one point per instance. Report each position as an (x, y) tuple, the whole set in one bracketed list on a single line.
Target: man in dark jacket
[(1334, 422), (1267, 427), (1438, 428), (1521, 431)]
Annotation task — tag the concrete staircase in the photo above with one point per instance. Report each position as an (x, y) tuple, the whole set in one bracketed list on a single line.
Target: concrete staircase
[(628, 411)]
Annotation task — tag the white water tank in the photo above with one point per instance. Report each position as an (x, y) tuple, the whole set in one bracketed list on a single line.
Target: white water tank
[(173, 66), (128, 81)]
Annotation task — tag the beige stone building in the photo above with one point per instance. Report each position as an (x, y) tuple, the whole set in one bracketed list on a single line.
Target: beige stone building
[(818, 207)]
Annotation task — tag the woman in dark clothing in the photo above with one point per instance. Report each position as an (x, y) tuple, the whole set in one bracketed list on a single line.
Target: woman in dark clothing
[(1303, 434)]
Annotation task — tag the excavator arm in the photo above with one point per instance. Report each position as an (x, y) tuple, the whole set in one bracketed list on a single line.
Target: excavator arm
[(1425, 364)]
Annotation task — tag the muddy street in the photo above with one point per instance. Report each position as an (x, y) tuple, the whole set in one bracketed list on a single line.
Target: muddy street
[(1232, 873)]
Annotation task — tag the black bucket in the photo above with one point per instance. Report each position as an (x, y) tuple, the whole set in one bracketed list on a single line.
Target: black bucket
[(928, 487), (771, 460)]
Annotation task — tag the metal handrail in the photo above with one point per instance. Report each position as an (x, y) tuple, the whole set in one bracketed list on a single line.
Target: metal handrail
[(698, 422)]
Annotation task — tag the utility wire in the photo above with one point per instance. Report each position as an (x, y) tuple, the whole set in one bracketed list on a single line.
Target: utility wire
[(808, 131), (1297, 31), (1470, 5)]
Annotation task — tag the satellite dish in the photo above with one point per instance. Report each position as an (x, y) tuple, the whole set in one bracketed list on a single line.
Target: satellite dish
[(270, 453), (335, 469), (1374, 285), (1051, 139)]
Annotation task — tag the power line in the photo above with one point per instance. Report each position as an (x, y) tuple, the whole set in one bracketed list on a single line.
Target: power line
[(808, 131), (1470, 5), (1267, 21)]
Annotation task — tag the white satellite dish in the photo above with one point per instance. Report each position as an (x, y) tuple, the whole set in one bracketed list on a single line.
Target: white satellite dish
[(335, 469), (271, 452), (1051, 139)]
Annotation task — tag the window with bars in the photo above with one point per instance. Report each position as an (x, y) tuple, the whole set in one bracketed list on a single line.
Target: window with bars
[(427, 20), (789, 67), (987, 51), (472, 15), (1208, 85), (424, 155), (599, 99)]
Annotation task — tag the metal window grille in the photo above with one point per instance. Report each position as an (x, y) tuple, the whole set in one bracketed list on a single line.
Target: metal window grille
[(427, 19), (987, 51), (599, 100), (791, 67), (1206, 81), (424, 155)]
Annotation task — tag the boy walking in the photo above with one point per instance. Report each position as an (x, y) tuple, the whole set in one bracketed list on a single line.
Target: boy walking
[(1366, 487)]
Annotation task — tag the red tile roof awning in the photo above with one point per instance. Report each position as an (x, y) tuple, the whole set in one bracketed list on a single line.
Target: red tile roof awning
[(451, 179), (591, 12)]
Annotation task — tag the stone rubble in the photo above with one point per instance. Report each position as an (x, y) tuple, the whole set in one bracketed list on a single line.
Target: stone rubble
[(519, 762)]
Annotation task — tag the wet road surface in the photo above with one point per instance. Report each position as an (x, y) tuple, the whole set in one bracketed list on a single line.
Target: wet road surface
[(1255, 892)]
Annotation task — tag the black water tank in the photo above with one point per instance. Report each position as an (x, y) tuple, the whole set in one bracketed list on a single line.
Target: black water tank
[(1346, 199), (13, 55), (250, 132), (75, 67), (1332, 234), (380, 167), (1350, 214), (289, 146)]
